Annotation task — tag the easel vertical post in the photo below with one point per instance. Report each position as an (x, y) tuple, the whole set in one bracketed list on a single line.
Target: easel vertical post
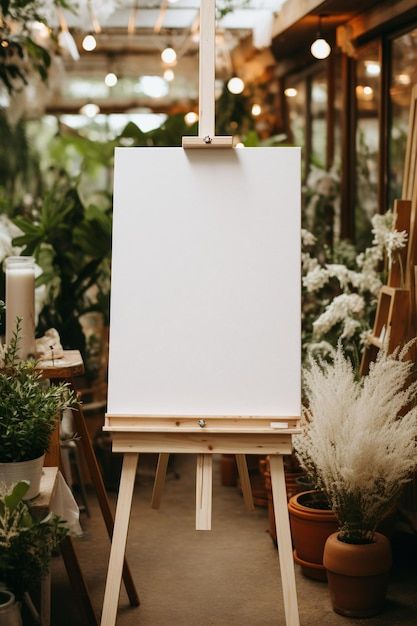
[(203, 492), (207, 67)]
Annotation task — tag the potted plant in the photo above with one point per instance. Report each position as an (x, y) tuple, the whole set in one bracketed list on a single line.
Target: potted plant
[(29, 409), (26, 546), (312, 522), (359, 445)]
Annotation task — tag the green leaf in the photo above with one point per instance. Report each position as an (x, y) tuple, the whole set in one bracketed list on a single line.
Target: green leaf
[(16, 495)]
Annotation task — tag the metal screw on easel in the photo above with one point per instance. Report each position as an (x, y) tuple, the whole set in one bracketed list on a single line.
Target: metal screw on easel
[(202, 423)]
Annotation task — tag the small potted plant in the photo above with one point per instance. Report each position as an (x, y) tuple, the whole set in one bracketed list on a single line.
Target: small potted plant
[(29, 409), (359, 446), (26, 546)]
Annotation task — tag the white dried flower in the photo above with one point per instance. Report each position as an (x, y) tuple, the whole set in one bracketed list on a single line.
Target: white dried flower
[(316, 279), (355, 440), (307, 238), (339, 310)]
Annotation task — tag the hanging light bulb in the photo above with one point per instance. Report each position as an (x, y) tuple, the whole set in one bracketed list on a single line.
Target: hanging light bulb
[(90, 110), (111, 79), (169, 75), (89, 43), (235, 85), (190, 118), (256, 110), (320, 49), (169, 56)]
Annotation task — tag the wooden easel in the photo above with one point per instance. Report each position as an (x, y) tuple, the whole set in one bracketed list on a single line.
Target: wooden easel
[(396, 315), (201, 435)]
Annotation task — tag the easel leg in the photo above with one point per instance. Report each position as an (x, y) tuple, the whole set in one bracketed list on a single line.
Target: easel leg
[(77, 581), (90, 457), (203, 492), (242, 468), (160, 476), (118, 547), (286, 561)]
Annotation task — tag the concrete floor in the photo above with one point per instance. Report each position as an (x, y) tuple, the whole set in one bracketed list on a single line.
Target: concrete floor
[(229, 576)]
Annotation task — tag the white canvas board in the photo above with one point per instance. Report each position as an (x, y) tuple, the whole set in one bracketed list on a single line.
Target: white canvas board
[(205, 300)]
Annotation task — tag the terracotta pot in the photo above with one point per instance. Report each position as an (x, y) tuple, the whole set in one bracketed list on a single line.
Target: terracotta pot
[(310, 528), (357, 575), (11, 473), (9, 609), (228, 470)]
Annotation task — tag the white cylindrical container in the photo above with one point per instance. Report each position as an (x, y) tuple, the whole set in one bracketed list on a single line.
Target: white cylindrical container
[(14, 472), (20, 302)]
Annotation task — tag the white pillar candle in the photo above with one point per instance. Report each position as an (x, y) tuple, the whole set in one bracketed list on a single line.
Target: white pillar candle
[(20, 302)]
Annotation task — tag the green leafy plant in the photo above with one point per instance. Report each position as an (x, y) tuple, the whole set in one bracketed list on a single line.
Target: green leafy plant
[(28, 407), (26, 544), (20, 53), (71, 242)]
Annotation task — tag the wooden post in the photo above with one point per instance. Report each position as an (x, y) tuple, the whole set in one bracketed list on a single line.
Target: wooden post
[(207, 68), (203, 491), (286, 561), (161, 472)]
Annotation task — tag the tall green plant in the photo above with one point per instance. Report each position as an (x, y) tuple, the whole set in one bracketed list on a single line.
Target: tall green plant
[(70, 242)]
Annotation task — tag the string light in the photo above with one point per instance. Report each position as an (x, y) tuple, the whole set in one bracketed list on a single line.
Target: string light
[(235, 85), (89, 43)]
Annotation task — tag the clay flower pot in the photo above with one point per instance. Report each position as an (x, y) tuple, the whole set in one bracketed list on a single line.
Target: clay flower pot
[(310, 528), (357, 575)]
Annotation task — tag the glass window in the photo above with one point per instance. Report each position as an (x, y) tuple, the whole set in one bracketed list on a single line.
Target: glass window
[(295, 94), (318, 120), (403, 77), (368, 93)]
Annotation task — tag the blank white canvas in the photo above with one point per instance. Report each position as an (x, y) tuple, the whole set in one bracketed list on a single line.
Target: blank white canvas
[(205, 300)]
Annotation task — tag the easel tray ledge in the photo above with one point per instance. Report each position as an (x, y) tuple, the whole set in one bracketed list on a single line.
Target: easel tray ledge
[(212, 424)]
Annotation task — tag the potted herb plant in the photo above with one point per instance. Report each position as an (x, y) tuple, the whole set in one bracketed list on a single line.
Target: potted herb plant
[(359, 446), (29, 409), (26, 546)]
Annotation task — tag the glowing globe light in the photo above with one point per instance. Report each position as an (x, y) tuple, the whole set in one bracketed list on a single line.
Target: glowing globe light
[(169, 56), (111, 79), (320, 49), (256, 110), (89, 43), (291, 92), (235, 85), (90, 110), (169, 75), (190, 118)]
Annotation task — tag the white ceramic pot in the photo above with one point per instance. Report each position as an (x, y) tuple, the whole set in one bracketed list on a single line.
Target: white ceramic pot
[(9, 609), (11, 473)]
